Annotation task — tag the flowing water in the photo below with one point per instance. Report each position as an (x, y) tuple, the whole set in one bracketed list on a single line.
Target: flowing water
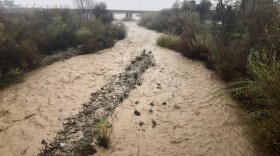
[(184, 108)]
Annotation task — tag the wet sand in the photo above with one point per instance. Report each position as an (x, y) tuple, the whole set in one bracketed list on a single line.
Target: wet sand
[(199, 117)]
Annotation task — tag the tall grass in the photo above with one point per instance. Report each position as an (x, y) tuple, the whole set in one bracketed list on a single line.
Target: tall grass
[(262, 86), (260, 94), (171, 42), (104, 131)]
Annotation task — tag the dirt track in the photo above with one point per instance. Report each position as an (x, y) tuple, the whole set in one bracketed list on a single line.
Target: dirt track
[(192, 114)]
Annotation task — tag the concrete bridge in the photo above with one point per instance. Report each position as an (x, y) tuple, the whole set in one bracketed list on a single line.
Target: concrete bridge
[(129, 13)]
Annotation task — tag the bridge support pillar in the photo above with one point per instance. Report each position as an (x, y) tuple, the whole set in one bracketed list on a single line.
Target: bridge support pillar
[(129, 16)]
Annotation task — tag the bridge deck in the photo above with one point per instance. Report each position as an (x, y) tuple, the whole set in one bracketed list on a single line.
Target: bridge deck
[(129, 11)]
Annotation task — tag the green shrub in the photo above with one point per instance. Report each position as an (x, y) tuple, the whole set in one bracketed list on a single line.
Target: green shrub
[(27, 36), (204, 42), (171, 42), (100, 12), (83, 34), (189, 48), (146, 18), (267, 131), (104, 131), (96, 44), (260, 94), (168, 20), (262, 87), (191, 26), (119, 31), (96, 27), (14, 55), (12, 76)]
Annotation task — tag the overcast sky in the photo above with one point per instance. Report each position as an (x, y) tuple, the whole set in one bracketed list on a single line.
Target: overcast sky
[(112, 4)]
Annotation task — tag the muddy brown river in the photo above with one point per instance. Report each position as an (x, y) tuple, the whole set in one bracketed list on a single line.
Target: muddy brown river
[(184, 107)]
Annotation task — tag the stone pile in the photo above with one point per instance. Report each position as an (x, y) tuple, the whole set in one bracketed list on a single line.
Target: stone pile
[(77, 135), (70, 52)]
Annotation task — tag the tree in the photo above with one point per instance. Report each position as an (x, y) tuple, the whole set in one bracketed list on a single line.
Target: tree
[(188, 6), (100, 12), (203, 9), (230, 20), (222, 16), (84, 7)]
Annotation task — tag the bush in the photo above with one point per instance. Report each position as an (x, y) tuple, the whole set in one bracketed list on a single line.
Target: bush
[(260, 94), (27, 36), (96, 44), (204, 43), (191, 25), (230, 61), (146, 18), (83, 34), (100, 12), (119, 31), (262, 87), (168, 20), (104, 131), (171, 42), (14, 55), (100, 36), (189, 48), (12, 76), (267, 131)]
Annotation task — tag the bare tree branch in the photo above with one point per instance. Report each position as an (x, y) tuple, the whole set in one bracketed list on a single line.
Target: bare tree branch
[(84, 7)]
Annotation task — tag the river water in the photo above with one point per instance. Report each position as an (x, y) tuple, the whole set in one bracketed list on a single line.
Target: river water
[(191, 113)]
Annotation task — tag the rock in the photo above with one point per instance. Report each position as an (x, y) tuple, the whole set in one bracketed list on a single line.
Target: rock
[(71, 122), (154, 123), (176, 141), (133, 61), (43, 142), (137, 113), (62, 145), (65, 123), (60, 132), (141, 123), (159, 87), (93, 94), (136, 102), (144, 51), (139, 83), (63, 137), (152, 104), (151, 111), (176, 106), (164, 103)]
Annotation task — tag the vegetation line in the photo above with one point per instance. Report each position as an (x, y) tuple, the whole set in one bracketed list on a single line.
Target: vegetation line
[(36, 38), (240, 41)]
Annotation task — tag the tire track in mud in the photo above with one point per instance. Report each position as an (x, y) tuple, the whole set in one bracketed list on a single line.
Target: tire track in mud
[(77, 135)]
